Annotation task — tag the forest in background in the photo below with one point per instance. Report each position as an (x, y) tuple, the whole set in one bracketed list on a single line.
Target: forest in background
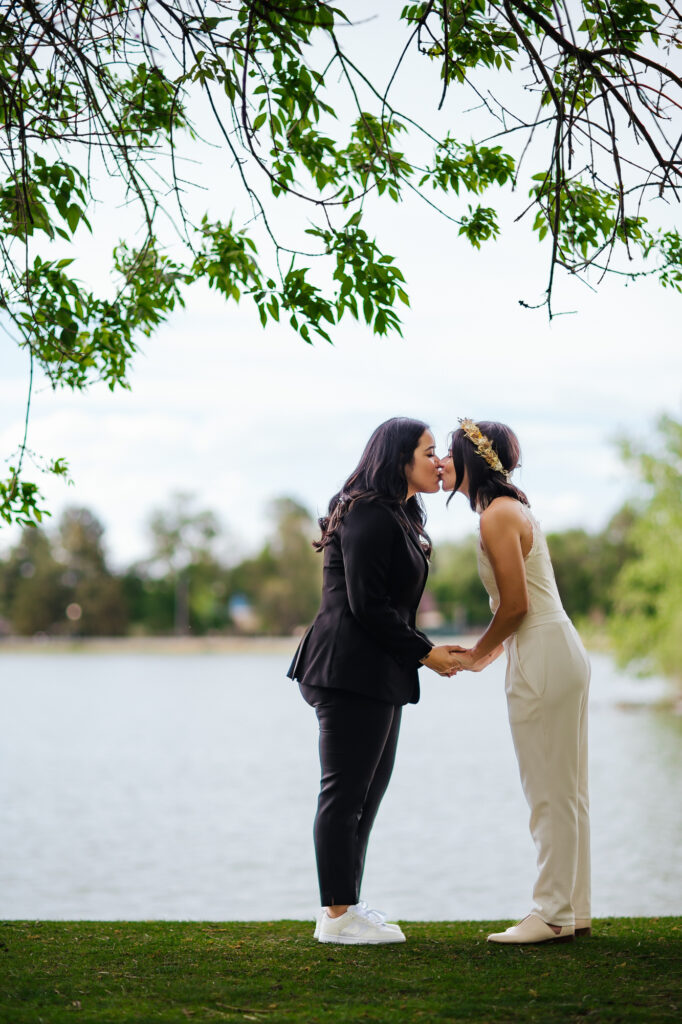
[(57, 582), (625, 580)]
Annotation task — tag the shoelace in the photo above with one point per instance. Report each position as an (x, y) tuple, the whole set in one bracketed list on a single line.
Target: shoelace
[(375, 916)]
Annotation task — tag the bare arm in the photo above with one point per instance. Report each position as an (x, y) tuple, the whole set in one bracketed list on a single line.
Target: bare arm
[(465, 660), (502, 526)]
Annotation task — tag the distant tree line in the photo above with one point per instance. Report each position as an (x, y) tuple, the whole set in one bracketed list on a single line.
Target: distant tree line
[(58, 582), (626, 578), (646, 625)]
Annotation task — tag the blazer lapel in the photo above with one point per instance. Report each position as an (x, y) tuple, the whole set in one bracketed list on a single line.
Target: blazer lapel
[(409, 529)]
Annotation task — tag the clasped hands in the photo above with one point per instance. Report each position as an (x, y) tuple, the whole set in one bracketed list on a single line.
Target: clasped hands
[(448, 660)]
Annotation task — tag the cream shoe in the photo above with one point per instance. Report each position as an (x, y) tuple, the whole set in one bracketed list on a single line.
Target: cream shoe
[(532, 929), (583, 926)]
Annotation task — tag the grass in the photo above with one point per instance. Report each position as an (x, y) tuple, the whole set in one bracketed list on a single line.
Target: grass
[(176, 972)]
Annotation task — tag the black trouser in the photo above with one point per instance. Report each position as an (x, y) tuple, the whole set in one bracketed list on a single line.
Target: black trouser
[(358, 740)]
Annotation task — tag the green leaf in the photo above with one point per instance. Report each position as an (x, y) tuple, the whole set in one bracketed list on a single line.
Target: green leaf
[(73, 216)]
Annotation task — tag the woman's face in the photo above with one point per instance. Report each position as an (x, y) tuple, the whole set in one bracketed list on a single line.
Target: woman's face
[(423, 473), (449, 475)]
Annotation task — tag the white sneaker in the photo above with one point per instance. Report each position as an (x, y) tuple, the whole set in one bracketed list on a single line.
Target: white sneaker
[(320, 915), (358, 927), (363, 908), (375, 915)]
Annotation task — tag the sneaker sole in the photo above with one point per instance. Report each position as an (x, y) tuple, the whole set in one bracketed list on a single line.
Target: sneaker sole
[(358, 940), (535, 942), (392, 927)]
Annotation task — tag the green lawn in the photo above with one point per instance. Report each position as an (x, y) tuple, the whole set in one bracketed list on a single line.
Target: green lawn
[(630, 970)]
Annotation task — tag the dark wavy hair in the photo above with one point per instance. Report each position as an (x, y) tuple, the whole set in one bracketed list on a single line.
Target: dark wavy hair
[(380, 476), (485, 483)]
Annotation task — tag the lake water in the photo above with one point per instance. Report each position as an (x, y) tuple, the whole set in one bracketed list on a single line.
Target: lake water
[(183, 786)]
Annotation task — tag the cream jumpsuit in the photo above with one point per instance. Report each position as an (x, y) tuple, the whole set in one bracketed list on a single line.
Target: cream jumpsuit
[(547, 683)]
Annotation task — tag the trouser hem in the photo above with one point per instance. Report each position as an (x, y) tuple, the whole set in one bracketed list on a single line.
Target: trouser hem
[(336, 901)]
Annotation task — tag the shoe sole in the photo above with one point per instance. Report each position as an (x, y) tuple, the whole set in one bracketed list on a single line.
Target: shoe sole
[(392, 927), (353, 940), (537, 942), (582, 932)]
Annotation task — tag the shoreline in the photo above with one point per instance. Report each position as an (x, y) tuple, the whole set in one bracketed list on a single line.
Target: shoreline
[(148, 645), (282, 646), (165, 644)]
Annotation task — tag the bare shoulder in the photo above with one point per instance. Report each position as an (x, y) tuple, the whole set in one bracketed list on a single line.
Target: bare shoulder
[(504, 517), (503, 511)]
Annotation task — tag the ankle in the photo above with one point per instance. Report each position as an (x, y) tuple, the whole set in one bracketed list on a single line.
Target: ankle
[(337, 910)]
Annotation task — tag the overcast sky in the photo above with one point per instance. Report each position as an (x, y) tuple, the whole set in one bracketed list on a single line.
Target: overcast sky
[(237, 415)]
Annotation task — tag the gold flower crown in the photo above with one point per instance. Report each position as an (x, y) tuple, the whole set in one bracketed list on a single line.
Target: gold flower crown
[(483, 446)]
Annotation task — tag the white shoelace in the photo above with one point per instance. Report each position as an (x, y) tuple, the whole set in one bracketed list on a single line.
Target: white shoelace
[(375, 916)]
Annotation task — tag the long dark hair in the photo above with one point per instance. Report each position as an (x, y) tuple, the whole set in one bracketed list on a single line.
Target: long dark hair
[(486, 483), (380, 476)]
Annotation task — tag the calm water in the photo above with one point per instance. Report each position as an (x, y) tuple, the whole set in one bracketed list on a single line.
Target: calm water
[(183, 786)]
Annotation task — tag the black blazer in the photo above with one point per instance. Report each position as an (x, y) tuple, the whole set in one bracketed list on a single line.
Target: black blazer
[(364, 638)]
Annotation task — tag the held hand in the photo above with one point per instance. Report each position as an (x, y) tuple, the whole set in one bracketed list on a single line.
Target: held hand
[(463, 658), (442, 660), (468, 662)]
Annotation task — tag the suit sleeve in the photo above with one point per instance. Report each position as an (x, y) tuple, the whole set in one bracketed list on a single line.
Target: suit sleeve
[(367, 543)]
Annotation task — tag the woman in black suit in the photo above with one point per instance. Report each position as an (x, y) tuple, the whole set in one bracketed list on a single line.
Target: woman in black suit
[(357, 664)]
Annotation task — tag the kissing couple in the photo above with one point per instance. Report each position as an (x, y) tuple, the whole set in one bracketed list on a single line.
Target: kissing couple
[(357, 666)]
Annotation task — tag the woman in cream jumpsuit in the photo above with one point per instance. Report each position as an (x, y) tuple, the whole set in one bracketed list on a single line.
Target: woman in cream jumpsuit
[(546, 683)]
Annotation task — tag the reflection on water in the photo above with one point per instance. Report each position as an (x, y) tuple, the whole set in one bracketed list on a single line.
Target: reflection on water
[(161, 786)]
